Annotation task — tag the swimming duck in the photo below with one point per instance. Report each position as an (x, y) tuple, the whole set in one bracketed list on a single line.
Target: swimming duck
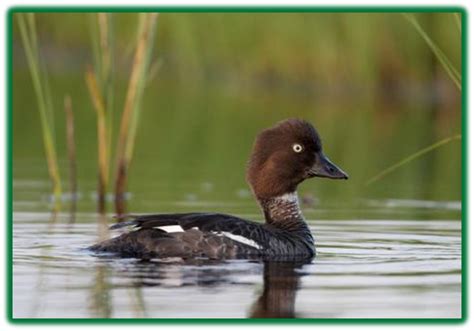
[(283, 156)]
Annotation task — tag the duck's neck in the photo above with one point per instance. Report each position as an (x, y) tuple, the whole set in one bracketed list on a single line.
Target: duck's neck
[(284, 212)]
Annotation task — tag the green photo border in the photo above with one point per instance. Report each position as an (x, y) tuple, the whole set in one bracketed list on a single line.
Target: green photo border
[(239, 9)]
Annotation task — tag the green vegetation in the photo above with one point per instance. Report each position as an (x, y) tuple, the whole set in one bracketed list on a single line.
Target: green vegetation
[(455, 77), (71, 149), (370, 82), (411, 158), (101, 89), (100, 83), (440, 55), (132, 108), (27, 25)]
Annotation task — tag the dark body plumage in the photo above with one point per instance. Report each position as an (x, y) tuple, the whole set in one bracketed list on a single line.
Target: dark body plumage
[(283, 156), (207, 235)]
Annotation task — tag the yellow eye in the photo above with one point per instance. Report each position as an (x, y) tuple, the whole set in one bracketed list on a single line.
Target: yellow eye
[(297, 148)]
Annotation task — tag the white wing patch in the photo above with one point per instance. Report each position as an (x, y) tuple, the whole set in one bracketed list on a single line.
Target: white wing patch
[(170, 228), (241, 239)]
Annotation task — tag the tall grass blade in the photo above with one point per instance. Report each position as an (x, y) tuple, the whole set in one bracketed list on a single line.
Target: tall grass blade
[(154, 69), (132, 109), (102, 137), (443, 59), (105, 23), (31, 23), (100, 85), (457, 19), (71, 149), (455, 77), (142, 81), (411, 157), (28, 34)]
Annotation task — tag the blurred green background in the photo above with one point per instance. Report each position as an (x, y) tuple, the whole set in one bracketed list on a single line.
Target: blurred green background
[(367, 81)]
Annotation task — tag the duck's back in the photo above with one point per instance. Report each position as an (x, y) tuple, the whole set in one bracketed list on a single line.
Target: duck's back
[(217, 236)]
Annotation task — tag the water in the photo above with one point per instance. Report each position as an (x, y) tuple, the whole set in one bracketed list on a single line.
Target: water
[(372, 268)]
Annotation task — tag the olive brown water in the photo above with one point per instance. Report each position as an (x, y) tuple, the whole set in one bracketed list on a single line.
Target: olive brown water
[(391, 249)]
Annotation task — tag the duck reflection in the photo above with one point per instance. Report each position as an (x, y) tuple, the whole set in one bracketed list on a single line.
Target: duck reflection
[(280, 284), (276, 299)]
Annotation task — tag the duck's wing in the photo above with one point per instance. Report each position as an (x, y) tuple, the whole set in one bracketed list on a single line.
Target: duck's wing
[(189, 233), (155, 220), (206, 222)]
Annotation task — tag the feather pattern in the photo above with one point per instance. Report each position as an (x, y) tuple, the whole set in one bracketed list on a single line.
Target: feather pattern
[(211, 235)]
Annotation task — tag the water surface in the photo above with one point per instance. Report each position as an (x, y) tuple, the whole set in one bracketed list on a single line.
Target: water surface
[(374, 268)]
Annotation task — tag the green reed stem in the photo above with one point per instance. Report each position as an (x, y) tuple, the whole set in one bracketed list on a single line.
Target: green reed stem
[(105, 23), (28, 33), (100, 85), (443, 59), (142, 70), (411, 157), (455, 77), (102, 154), (457, 19), (71, 149), (132, 107)]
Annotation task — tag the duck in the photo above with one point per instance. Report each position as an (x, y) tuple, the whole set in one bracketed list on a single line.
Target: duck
[(282, 157)]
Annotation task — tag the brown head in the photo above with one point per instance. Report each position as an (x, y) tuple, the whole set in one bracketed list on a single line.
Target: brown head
[(285, 155)]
